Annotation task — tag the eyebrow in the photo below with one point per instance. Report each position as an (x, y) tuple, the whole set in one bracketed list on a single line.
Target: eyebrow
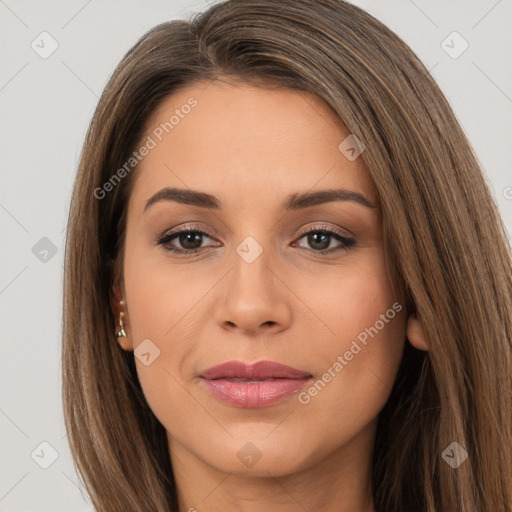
[(294, 201)]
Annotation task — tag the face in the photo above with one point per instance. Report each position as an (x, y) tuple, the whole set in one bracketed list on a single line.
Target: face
[(258, 273)]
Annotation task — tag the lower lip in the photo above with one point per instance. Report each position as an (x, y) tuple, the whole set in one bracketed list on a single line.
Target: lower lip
[(254, 394)]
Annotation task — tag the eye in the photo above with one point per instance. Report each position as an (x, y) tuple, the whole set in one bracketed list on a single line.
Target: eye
[(320, 238), (188, 237)]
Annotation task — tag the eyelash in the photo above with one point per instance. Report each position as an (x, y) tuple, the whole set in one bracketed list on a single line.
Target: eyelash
[(166, 238)]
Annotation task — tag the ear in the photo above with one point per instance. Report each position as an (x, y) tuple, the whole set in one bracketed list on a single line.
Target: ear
[(120, 311), (416, 333)]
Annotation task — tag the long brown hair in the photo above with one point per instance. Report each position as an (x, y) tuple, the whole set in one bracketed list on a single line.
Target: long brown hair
[(444, 242)]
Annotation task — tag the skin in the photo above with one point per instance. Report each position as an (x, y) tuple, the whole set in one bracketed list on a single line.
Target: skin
[(250, 148)]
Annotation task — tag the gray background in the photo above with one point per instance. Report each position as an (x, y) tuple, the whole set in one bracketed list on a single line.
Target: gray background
[(45, 108)]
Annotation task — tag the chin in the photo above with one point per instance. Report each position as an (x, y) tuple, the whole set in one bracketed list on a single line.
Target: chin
[(260, 456)]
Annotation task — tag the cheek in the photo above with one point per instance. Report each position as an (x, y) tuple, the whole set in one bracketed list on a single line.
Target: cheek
[(354, 383), (349, 298), (162, 305), (160, 296), (359, 356)]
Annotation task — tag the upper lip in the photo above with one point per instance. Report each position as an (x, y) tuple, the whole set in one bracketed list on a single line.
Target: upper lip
[(257, 371)]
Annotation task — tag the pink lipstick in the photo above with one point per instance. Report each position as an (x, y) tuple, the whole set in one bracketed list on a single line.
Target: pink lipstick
[(253, 385)]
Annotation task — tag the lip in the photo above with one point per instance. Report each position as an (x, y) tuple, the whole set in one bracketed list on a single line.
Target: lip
[(264, 382)]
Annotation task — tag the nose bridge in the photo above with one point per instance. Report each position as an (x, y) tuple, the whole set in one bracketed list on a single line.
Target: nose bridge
[(252, 295), (252, 261)]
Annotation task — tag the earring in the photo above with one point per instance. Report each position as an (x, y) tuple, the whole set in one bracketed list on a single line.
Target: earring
[(121, 333)]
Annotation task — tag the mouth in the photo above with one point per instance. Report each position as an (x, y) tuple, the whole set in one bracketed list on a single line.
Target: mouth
[(259, 371), (253, 385), (235, 379)]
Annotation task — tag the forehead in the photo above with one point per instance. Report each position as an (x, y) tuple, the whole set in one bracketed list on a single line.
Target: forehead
[(220, 137)]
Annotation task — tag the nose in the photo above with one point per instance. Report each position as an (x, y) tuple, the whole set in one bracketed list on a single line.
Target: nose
[(254, 299)]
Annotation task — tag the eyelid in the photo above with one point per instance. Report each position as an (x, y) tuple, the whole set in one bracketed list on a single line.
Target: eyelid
[(186, 228), (323, 227)]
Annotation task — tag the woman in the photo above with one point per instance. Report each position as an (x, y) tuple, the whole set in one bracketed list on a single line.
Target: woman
[(287, 285)]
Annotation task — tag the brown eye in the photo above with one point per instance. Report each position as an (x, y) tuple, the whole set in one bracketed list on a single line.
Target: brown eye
[(319, 240), (184, 241)]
